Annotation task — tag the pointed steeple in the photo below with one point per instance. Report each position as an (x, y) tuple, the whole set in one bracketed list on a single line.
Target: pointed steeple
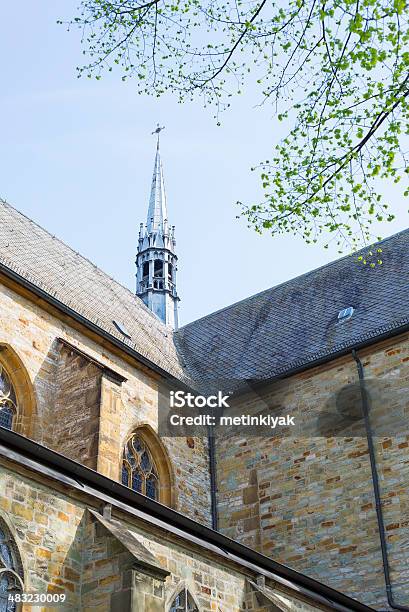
[(157, 212), (156, 259)]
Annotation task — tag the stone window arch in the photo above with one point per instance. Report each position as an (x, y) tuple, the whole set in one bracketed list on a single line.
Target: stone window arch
[(17, 398), (11, 568), (146, 467), (183, 601)]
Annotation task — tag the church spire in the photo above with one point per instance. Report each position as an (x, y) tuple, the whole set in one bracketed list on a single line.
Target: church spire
[(157, 212), (156, 258)]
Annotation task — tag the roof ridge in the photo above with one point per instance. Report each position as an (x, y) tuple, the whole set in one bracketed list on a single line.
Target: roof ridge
[(292, 280), (138, 300)]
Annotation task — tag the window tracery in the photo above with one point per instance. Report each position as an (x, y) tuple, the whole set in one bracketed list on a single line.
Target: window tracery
[(11, 570), (183, 602), (8, 401), (139, 471)]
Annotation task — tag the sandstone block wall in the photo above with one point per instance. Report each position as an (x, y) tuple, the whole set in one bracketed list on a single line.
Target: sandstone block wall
[(106, 578), (307, 501), (76, 407), (64, 550), (47, 528), (69, 424)]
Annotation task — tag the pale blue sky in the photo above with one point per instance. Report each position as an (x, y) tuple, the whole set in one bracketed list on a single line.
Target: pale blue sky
[(77, 157)]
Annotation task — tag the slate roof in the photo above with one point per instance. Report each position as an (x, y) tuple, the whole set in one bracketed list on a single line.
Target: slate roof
[(296, 323), (73, 280), (263, 336)]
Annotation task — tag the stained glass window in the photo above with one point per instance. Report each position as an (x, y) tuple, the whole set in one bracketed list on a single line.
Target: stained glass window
[(8, 585), (8, 402), (125, 474), (11, 571), (6, 417), (151, 486), (183, 602), (137, 480), (145, 462), (138, 468)]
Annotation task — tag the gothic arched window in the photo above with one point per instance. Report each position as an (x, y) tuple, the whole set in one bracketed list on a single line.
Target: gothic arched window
[(139, 470), (8, 401), (183, 602), (11, 569)]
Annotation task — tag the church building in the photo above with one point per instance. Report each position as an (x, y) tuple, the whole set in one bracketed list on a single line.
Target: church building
[(101, 512)]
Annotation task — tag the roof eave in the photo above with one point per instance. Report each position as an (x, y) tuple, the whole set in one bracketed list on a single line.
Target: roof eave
[(324, 358), (96, 329), (70, 473), (291, 371)]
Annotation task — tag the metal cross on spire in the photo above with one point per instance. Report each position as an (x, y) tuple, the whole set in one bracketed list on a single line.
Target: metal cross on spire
[(158, 131)]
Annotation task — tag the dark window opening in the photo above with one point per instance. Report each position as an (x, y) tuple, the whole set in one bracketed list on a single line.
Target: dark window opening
[(158, 268), (145, 270)]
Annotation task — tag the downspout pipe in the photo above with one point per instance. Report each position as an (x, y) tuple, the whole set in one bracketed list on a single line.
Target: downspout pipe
[(212, 470), (376, 487)]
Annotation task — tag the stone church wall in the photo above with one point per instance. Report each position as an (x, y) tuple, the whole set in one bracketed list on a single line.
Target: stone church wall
[(64, 550), (76, 407), (61, 551), (308, 501), (67, 391)]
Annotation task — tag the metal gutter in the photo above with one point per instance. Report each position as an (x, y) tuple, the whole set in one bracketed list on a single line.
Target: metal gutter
[(76, 476), (376, 487)]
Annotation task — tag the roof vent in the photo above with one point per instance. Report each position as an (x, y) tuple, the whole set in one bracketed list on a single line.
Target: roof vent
[(345, 314), (121, 328)]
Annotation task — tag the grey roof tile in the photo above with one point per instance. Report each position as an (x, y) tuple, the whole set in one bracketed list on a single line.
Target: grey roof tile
[(52, 266), (263, 336), (295, 323)]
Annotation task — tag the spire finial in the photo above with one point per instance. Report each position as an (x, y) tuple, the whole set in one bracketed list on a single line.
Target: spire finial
[(157, 132)]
